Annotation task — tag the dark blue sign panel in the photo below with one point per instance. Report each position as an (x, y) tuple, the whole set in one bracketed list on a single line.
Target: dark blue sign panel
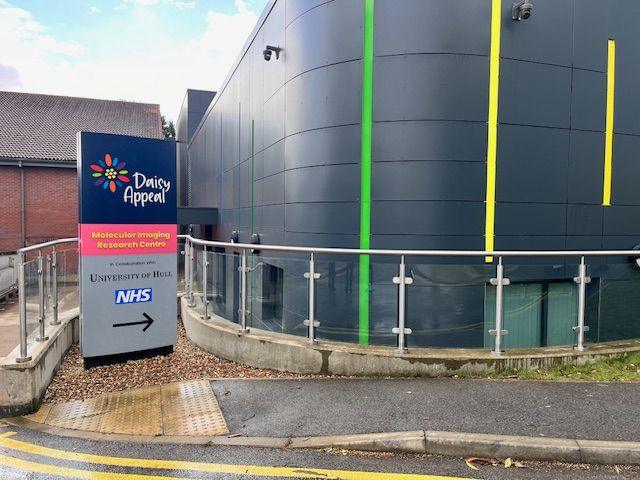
[(128, 243), (126, 179)]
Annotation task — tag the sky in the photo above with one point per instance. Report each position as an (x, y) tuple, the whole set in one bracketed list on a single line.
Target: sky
[(139, 50)]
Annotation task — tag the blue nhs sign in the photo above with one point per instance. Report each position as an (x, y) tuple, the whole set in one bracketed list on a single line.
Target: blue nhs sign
[(134, 295)]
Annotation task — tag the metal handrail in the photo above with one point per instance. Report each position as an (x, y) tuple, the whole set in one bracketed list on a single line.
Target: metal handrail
[(312, 275), (416, 253), (51, 270), (42, 246), (499, 281)]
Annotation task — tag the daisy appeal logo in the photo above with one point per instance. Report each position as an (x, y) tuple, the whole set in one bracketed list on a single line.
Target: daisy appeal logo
[(137, 188)]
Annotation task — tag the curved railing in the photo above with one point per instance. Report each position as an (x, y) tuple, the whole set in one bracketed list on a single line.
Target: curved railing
[(39, 279), (495, 258), (46, 276)]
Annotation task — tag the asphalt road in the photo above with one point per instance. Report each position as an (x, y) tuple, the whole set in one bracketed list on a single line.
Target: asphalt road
[(24, 457), (282, 408)]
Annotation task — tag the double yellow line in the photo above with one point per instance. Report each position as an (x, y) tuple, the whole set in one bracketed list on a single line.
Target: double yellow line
[(174, 465)]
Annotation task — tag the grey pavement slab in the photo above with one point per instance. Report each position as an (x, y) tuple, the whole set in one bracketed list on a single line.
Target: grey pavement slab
[(280, 408)]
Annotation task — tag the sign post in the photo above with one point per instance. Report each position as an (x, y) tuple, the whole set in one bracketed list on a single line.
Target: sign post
[(128, 244)]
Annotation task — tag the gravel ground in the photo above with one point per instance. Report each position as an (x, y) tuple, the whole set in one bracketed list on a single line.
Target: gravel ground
[(187, 362)]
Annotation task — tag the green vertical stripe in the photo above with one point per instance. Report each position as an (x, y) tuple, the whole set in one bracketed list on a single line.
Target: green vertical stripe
[(365, 172), (253, 170), (239, 166)]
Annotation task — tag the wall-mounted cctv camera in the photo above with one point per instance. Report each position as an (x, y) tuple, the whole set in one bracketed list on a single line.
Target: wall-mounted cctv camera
[(522, 10), (636, 259), (269, 50)]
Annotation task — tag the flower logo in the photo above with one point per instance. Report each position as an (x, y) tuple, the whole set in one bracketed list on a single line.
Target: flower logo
[(110, 173)]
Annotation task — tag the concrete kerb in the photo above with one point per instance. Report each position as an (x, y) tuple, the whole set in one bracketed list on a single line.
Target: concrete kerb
[(289, 353), (453, 444)]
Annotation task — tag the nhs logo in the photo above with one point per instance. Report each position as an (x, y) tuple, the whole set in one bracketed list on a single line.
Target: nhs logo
[(134, 295)]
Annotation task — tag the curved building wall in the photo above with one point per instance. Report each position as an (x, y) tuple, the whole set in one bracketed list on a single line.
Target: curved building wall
[(280, 153)]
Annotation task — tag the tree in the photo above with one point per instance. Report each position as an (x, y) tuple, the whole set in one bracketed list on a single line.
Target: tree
[(168, 129)]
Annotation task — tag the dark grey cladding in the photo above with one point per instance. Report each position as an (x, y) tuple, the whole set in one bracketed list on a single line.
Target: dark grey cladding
[(278, 153)]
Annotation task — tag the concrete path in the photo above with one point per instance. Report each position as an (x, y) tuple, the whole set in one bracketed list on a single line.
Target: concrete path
[(569, 422), (281, 408), (9, 330), (10, 316)]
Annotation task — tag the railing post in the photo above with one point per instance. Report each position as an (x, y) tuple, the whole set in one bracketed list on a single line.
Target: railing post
[(311, 322), (47, 285), (186, 269), (54, 288), (582, 280), (41, 336), (243, 292), (500, 282), (22, 298), (205, 293), (191, 261), (402, 281)]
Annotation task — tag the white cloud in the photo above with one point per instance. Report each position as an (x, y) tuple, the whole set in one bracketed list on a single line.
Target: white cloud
[(180, 4), (94, 10), (185, 5), (9, 78), (146, 73), (25, 40), (143, 3)]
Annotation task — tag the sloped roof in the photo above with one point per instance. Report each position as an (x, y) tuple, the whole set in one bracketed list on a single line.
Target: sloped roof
[(35, 126)]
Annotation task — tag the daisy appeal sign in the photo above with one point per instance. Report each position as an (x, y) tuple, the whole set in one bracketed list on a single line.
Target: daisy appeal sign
[(128, 244)]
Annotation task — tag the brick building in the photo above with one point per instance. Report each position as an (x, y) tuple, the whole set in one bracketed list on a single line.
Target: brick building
[(38, 188)]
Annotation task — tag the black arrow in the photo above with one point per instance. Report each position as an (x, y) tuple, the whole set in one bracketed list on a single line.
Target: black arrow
[(146, 322)]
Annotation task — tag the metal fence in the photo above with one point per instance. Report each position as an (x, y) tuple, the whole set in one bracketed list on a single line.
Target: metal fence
[(47, 282), (46, 271), (197, 285)]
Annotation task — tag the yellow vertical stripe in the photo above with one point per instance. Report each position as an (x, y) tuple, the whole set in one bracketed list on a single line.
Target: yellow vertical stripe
[(611, 97), (492, 126)]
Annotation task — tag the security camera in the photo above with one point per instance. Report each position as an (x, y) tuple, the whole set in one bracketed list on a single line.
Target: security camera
[(522, 10), (269, 50), (636, 259)]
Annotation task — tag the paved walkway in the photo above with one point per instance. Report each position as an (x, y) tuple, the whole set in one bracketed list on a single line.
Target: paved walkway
[(281, 408), (9, 330), (10, 316), (315, 407)]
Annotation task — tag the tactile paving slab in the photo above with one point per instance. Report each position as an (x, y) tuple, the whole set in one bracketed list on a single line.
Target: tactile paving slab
[(191, 409), (179, 409), (135, 412), (41, 415), (78, 415)]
